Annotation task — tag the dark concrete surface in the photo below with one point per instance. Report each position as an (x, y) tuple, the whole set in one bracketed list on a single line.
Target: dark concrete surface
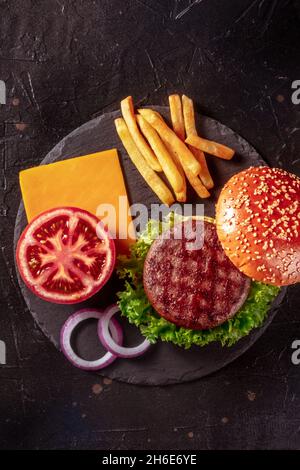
[(65, 62)]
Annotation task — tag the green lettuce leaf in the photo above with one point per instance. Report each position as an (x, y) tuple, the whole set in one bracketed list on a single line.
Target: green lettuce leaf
[(135, 305)]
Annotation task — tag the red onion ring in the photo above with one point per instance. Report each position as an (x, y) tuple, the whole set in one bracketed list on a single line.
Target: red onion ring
[(108, 340), (66, 334)]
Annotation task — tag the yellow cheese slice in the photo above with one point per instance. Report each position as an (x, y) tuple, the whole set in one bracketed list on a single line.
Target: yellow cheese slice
[(85, 182)]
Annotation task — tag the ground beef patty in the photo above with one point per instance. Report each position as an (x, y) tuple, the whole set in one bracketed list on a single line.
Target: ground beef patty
[(194, 288)]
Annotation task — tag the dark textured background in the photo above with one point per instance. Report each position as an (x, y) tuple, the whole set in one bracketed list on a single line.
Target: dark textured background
[(65, 62)]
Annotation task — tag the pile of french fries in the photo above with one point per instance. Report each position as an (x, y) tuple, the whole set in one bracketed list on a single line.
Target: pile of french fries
[(154, 147)]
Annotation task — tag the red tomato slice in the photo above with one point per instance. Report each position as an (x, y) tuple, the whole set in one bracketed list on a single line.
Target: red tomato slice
[(65, 255)]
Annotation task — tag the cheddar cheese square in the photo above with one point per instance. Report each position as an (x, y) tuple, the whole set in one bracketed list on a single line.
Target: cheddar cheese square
[(85, 182)]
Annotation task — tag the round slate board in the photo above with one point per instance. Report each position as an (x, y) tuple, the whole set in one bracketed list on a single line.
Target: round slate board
[(164, 363)]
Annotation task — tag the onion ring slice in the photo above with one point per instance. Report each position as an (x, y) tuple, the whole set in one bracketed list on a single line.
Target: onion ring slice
[(109, 342), (66, 334)]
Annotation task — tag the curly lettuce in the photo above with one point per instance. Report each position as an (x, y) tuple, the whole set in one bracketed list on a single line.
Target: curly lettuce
[(135, 305)]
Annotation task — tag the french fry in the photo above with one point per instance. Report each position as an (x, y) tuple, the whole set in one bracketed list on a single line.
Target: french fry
[(185, 156), (127, 109), (208, 146), (149, 175), (177, 116), (180, 195), (194, 181), (204, 174), (168, 165), (197, 184), (178, 128), (188, 116), (190, 129)]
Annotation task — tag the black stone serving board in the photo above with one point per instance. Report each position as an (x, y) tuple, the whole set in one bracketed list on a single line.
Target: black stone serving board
[(164, 363)]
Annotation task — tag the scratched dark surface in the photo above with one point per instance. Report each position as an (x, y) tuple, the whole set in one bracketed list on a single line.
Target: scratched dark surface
[(65, 62)]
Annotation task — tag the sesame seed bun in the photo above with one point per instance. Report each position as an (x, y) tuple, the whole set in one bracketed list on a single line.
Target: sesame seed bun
[(258, 224)]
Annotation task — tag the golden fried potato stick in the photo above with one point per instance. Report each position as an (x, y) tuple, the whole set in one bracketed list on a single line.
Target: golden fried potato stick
[(177, 116), (185, 156), (127, 109), (208, 146), (180, 195), (151, 178), (190, 129), (166, 161), (194, 181), (197, 184), (204, 173), (178, 128)]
